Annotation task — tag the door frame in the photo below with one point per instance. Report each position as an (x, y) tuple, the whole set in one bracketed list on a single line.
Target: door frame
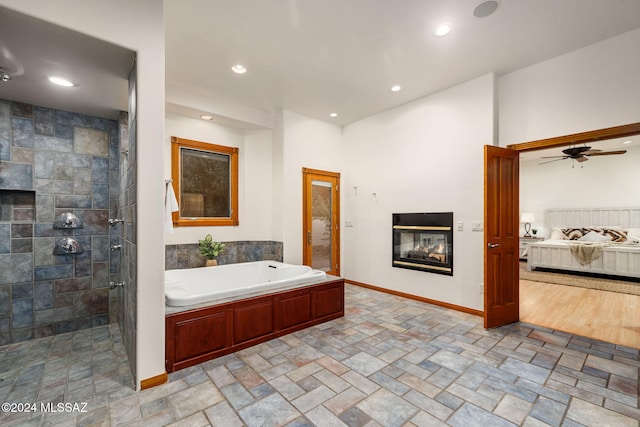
[(335, 218), (562, 141)]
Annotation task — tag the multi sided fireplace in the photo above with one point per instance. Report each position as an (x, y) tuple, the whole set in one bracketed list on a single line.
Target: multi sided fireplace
[(424, 241)]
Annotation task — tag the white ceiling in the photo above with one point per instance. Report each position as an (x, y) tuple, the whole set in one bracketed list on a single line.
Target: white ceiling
[(31, 50), (313, 57)]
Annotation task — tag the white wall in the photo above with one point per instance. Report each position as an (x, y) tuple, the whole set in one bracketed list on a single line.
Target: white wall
[(270, 175), (310, 143), (591, 88), (138, 26), (277, 180), (254, 178), (426, 156), (606, 181)]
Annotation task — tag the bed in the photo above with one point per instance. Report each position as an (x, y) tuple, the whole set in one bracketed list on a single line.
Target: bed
[(616, 258)]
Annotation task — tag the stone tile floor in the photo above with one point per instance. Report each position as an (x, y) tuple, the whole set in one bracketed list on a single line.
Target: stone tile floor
[(389, 362)]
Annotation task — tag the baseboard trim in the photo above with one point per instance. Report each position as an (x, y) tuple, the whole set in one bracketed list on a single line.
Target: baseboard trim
[(154, 381), (417, 298)]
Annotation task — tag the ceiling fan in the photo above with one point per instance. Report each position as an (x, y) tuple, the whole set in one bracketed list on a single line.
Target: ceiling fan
[(581, 154)]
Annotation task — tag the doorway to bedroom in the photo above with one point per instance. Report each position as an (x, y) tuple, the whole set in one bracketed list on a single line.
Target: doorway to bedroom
[(595, 307)]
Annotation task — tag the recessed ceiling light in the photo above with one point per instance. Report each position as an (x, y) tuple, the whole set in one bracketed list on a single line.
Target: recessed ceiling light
[(627, 142), (60, 81), (333, 115), (239, 69), (442, 30), (206, 117), (485, 8), (396, 88), (4, 76)]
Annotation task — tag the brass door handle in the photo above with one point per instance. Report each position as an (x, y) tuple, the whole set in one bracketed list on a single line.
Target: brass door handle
[(308, 237)]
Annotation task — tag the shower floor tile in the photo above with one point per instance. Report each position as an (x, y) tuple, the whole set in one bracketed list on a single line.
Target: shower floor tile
[(389, 362)]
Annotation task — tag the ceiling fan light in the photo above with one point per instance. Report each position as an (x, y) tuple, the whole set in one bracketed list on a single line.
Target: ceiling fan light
[(4, 76)]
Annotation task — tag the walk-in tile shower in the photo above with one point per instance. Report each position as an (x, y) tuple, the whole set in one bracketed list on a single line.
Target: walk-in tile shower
[(55, 166)]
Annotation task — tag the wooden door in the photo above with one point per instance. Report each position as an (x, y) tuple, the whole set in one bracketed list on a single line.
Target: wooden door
[(321, 220), (501, 263)]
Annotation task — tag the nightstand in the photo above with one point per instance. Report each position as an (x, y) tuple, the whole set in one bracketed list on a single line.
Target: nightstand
[(524, 241)]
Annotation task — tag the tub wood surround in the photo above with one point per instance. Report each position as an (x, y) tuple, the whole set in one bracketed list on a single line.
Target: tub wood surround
[(202, 334)]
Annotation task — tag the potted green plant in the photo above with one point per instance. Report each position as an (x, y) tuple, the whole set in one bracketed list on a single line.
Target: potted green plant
[(210, 249), (534, 231)]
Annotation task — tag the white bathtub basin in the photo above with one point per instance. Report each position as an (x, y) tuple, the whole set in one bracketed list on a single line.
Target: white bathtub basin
[(190, 286)]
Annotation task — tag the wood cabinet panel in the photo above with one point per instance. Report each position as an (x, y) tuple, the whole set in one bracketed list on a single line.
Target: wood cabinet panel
[(294, 309), (195, 337), (329, 301), (252, 321), (202, 334)]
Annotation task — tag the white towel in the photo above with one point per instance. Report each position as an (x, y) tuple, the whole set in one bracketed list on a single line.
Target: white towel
[(170, 205)]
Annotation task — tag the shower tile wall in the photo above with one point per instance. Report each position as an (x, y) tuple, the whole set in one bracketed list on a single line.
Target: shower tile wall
[(127, 209), (52, 162)]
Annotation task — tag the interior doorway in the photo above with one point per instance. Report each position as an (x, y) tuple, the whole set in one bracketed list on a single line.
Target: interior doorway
[(492, 287), (321, 220)]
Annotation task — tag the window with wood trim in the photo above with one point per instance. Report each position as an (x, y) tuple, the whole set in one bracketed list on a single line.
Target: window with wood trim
[(205, 180)]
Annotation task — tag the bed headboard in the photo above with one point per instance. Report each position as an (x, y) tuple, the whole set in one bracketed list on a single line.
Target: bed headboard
[(577, 217)]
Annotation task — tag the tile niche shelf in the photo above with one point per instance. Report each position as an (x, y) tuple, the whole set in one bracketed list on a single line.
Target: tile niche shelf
[(17, 205)]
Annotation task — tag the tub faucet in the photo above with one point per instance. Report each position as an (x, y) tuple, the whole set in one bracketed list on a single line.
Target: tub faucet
[(116, 247)]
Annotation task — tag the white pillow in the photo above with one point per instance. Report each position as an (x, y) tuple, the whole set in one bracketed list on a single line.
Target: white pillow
[(593, 236), (633, 231), (556, 234), (633, 234)]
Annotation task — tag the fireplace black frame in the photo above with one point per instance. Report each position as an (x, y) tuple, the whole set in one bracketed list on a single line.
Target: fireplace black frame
[(439, 225)]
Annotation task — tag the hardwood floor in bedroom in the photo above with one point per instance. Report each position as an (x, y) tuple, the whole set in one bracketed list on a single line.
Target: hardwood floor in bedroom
[(602, 315)]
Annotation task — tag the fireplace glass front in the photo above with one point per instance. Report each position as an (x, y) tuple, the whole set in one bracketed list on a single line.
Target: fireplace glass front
[(424, 241)]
